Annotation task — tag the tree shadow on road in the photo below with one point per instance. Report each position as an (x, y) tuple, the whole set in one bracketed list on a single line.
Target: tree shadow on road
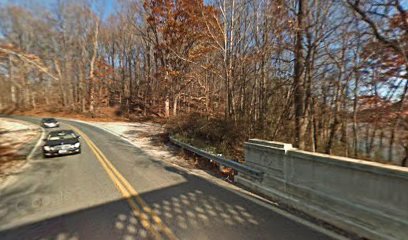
[(194, 209)]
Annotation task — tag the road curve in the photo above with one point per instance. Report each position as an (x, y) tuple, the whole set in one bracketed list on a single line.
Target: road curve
[(114, 190)]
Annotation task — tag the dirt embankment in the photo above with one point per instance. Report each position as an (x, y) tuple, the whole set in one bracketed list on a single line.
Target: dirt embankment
[(16, 142), (103, 114)]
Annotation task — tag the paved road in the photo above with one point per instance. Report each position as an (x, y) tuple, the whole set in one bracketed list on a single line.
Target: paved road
[(113, 190)]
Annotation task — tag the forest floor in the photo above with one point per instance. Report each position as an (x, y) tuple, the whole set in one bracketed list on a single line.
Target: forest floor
[(105, 115)]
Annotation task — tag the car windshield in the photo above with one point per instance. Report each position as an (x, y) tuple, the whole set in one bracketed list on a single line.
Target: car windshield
[(61, 137), (49, 120)]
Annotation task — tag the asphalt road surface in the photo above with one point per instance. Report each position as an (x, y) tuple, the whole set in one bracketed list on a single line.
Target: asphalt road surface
[(113, 190)]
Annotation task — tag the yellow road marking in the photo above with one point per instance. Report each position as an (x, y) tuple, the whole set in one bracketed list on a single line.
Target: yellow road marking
[(127, 191)]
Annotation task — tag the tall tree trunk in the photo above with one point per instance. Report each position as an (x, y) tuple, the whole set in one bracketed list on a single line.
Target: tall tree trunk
[(175, 102), (60, 83), (167, 106), (13, 95), (355, 109), (298, 81), (92, 69), (397, 121)]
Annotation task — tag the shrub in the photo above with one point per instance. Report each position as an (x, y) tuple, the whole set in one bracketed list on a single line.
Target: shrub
[(212, 133)]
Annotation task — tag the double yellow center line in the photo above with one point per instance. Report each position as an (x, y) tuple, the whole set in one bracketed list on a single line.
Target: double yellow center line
[(148, 218)]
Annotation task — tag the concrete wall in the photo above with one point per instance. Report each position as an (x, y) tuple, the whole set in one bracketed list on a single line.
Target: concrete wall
[(367, 198)]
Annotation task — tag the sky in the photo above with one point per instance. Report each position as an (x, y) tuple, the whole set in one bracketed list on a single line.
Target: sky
[(108, 6)]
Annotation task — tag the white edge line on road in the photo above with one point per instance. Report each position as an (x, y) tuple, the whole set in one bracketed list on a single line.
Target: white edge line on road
[(30, 156), (242, 192)]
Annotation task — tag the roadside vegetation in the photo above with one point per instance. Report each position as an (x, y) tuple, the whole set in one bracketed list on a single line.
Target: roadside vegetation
[(326, 76), (215, 135)]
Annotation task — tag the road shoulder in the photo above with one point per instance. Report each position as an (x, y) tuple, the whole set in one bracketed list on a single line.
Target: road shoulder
[(20, 139)]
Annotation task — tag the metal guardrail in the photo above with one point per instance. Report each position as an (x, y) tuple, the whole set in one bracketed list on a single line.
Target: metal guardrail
[(220, 160)]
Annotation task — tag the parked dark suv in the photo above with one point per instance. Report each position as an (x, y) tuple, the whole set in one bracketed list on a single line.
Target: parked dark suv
[(49, 123), (61, 142)]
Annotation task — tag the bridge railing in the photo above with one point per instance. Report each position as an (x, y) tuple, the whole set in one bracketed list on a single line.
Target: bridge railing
[(240, 168)]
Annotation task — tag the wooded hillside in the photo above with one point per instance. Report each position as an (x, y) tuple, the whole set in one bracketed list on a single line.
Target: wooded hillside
[(327, 76)]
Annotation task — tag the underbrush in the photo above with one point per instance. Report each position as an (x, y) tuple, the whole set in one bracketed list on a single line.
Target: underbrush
[(213, 134)]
